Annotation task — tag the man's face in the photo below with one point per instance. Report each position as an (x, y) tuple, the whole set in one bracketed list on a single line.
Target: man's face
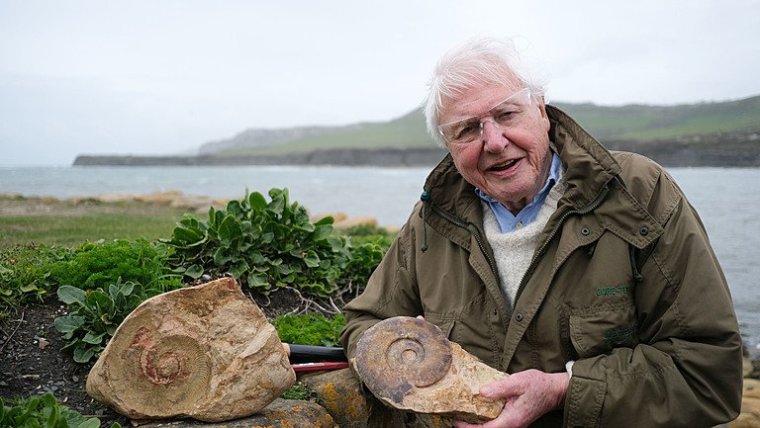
[(509, 162)]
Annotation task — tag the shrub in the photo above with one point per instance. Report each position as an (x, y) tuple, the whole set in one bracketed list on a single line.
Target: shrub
[(98, 264), (270, 244), (367, 230), (44, 411), (363, 261), (262, 244)]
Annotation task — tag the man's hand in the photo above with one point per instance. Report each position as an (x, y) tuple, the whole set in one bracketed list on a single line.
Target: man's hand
[(529, 394)]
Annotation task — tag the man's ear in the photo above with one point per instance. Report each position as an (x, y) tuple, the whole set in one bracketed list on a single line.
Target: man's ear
[(544, 115), (542, 106)]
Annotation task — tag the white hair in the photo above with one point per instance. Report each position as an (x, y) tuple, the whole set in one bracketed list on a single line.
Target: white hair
[(476, 63)]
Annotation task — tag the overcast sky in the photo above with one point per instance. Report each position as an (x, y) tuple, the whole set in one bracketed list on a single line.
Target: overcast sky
[(163, 77)]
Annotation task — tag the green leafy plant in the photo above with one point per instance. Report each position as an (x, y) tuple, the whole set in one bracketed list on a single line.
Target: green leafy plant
[(98, 264), (364, 259), (29, 273), (264, 244), (94, 316), (44, 411), (298, 391), (368, 230), (24, 274), (310, 329)]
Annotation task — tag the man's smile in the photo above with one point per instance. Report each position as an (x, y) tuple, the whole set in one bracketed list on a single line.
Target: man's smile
[(502, 166)]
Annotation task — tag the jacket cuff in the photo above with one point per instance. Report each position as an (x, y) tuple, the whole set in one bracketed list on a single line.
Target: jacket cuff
[(584, 401)]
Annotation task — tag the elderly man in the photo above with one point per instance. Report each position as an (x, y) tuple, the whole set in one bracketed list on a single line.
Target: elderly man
[(583, 273)]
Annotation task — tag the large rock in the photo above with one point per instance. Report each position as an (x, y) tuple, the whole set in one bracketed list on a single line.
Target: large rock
[(340, 392), (279, 414), (206, 352), (750, 413), (409, 364)]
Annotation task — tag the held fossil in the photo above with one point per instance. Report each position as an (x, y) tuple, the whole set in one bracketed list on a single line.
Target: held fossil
[(409, 364)]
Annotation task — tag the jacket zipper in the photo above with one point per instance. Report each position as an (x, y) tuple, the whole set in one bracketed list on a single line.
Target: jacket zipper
[(587, 209)]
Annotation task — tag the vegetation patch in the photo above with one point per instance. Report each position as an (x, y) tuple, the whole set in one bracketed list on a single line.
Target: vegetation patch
[(310, 329), (44, 411), (24, 275), (98, 264), (100, 281), (271, 244), (94, 316), (69, 223), (298, 391)]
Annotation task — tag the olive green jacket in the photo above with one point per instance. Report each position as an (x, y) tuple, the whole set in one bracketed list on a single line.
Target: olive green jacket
[(623, 282)]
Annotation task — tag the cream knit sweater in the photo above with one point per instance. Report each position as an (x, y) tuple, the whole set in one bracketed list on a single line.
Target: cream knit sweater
[(514, 250)]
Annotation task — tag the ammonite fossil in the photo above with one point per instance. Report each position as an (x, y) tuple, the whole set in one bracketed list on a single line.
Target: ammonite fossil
[(206, 352), (409, 364), (400, 353)]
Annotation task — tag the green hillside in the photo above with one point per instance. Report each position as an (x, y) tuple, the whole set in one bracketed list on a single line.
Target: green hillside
[(630, 122), (404, 132), (646, 123)]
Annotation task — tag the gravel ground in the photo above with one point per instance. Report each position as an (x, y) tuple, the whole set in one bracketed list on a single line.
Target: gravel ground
[(32, 362)]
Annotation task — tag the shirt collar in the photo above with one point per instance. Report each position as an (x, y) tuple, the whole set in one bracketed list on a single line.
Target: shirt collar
[(508, 221)]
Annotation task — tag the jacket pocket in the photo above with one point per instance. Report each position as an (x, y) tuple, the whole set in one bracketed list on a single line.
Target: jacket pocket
[(598, 331), (445, 324)]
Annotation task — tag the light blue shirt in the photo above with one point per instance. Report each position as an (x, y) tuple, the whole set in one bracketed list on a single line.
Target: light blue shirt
[(509, 222)]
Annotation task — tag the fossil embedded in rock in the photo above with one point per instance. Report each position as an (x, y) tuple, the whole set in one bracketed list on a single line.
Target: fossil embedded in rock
[(206, 352), (409, 364)]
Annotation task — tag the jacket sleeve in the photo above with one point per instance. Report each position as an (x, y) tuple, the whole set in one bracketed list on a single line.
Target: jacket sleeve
[(391, 291), (689, 353)]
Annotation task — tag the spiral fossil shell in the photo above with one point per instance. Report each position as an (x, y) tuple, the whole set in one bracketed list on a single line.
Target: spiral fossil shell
[(399, 353), (158, 369), (206, 352), (409, 364)]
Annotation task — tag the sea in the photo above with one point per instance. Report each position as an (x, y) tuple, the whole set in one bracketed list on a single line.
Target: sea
[(727, 199)]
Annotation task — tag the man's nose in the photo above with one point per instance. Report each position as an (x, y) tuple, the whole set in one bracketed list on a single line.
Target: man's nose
[(492, 135)]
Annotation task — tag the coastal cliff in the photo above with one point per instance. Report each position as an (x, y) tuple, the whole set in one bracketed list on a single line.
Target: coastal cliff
[(703, 134), (337, 157), (725, 150)]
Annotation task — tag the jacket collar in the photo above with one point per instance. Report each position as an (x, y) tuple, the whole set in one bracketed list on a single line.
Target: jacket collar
[(588, 167), (456, 198)]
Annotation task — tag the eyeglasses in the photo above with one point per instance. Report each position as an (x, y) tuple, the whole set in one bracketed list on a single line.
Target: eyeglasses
[(507, 113)]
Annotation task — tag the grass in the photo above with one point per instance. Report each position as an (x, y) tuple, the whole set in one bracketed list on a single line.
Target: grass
[(50, 222), (644, 123), (74, 230)]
